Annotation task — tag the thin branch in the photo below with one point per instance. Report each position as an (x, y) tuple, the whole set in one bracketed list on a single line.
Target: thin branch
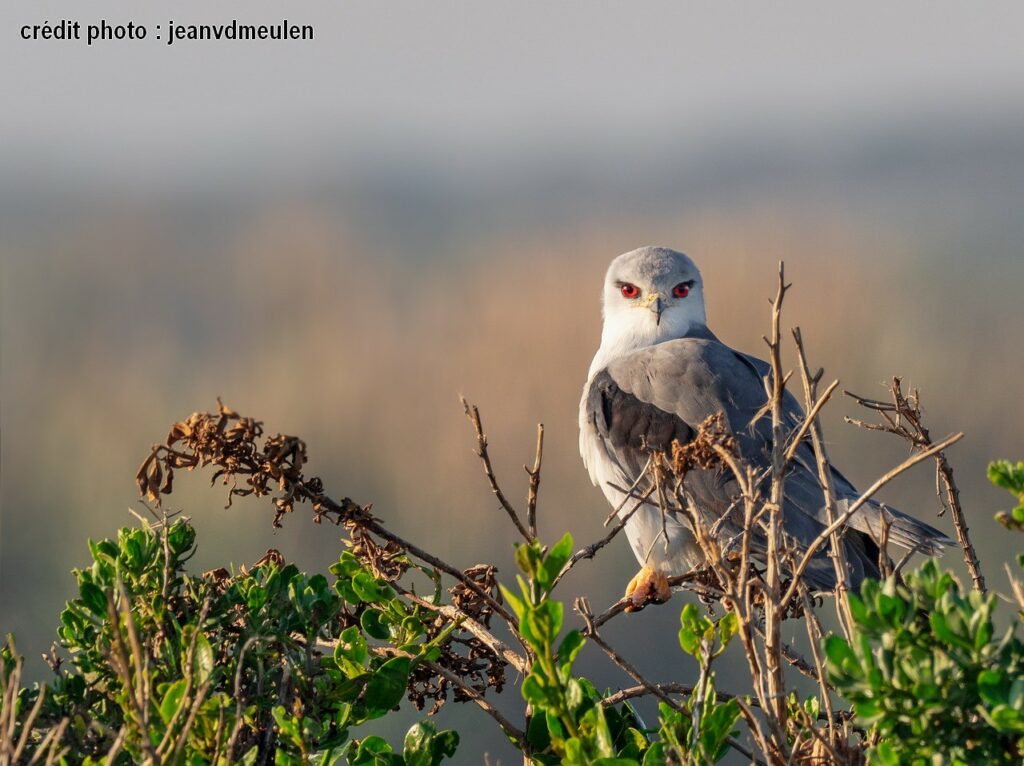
[(855, 506), (168, 739), (470, 625), (812, 413), (481, 452), (904, 419), (27, 725), (591, 550), (236, 729), (582, 607), (48, 746), (685, 690), (814, 636), (534, 473), (182, 738), (836, 548), (118, 658), (791, 656), (628, 493), (414, 550), (507, 726), (690, 581), (634, 692), (772, 612)]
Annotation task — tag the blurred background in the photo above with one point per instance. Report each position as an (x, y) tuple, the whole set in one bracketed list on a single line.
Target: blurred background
[(341, 236)]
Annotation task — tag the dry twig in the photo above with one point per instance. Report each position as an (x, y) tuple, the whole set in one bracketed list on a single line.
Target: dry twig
[(481, 452), (902, 417)]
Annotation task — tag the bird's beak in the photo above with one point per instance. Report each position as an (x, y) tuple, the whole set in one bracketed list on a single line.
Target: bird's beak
[(657, 305)]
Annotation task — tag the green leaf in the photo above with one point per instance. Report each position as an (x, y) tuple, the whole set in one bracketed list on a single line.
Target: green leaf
[(351, 652), (180, 537), (839, 653), (94, 598), (425, 746), (373, 623), (655, 755), (534, 690), (573, 694), (1005, 474), (729, 626), (552, 612), (537, 732), (172, 700), (528, 558), (557, 557), (202, 660), (372, 751), (990, 687), (570, 647), (256, 598), (387, 685), (542, 624), (858, 610), (369, 590), (694, 629), (333, 757), (514, 601), (812, 707), (943, 630), (883, 754)]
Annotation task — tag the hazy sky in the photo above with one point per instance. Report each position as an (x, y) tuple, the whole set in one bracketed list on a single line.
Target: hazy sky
[(471, 78)]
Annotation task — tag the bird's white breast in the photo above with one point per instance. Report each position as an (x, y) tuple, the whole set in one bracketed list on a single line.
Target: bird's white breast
[(667, 544)]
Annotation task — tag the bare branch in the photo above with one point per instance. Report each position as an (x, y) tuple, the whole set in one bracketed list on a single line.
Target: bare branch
[(903, 418), (472, 626), (582, 607), (812, 413), (836, 549), (773, 616), (481, 452), (591, 550), (507, 726), (531, 498), (855, 506)]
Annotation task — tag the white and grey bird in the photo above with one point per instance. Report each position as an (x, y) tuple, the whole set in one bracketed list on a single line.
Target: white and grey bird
[(658, 374)]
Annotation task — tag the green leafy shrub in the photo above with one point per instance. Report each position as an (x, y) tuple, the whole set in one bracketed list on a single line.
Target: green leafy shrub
[(570, 724), (928, 672), (222, 667), (1010, 477)]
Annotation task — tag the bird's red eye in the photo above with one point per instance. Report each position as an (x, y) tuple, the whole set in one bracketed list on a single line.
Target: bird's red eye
[(629, 291), (681, 290)]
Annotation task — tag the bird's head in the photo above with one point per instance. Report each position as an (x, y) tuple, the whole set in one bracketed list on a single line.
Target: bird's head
[(651, 294)]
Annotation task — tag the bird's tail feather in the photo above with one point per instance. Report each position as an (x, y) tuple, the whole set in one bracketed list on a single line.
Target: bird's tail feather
[(904, 530)]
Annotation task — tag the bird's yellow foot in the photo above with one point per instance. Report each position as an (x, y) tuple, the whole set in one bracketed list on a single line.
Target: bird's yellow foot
[(650, 586)]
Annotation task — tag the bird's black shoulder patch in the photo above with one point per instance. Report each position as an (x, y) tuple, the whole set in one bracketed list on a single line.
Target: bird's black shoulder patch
[(629, 423)]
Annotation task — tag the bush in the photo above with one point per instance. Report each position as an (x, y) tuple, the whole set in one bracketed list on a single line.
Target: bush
[(928, 671)]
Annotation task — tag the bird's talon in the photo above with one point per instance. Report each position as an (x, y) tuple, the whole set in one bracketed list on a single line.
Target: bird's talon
[(649, 586)]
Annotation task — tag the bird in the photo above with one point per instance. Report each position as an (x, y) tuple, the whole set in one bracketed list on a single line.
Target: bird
[(658, 374)]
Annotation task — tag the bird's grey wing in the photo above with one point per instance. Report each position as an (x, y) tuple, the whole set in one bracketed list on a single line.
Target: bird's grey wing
[(647, 398)]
